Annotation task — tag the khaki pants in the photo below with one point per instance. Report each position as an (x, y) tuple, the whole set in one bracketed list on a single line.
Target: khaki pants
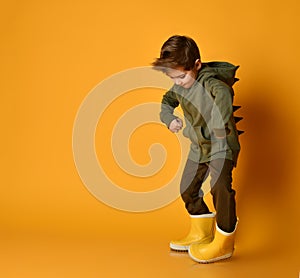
[(194, 175)]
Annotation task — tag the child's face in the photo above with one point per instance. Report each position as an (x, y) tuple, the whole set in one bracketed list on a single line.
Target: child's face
[(184, 78)]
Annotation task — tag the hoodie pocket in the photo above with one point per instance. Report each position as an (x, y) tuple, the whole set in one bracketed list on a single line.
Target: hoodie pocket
[(197, 137)]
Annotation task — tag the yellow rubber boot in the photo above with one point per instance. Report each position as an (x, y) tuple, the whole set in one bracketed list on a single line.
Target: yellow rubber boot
[(219, 249), (201, 231)]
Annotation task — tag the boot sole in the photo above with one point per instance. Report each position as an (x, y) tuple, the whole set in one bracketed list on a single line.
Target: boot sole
[(179, 248), (224, 257)]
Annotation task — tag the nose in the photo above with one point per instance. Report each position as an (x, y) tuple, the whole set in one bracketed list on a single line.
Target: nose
[(177, 81)]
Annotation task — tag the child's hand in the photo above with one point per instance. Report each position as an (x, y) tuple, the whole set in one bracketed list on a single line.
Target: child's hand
[(176, 125)]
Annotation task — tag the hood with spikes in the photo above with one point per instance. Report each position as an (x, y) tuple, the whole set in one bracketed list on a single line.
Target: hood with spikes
[(221, 70)]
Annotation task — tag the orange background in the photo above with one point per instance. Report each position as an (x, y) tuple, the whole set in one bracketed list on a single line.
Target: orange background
[(54, 52)]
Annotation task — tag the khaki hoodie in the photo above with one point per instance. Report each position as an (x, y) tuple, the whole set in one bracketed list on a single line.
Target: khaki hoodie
[(208, 112)]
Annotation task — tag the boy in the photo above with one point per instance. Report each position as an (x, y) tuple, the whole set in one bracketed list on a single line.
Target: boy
[(204, 92)]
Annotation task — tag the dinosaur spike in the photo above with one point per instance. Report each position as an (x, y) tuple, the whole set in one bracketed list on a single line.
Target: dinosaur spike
[(236, 107), (235, 80), (237, 119)]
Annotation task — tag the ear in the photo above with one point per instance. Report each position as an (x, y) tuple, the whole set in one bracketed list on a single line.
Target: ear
[(198, 64)]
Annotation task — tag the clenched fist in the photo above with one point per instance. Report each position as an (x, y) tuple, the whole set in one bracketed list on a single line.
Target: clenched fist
[(176, 125)]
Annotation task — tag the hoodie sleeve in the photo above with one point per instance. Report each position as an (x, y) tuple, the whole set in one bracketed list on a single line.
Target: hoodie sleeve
[(222, 107), (168, 104)]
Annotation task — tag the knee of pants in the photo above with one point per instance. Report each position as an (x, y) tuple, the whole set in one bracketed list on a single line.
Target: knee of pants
[(223, 188)]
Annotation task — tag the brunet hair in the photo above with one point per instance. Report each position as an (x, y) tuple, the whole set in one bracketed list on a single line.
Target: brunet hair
[(177, 51)]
